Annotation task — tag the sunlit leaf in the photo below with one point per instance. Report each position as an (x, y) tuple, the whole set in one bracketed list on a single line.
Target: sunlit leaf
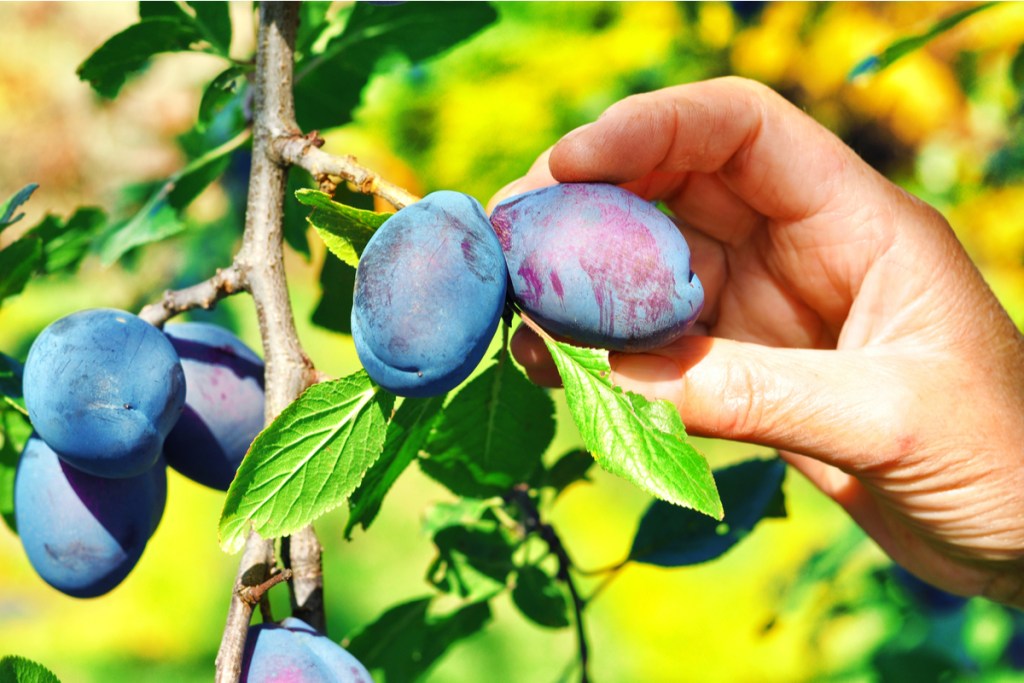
[(344, 229), (641, 441), (14, 669), (308, 461), (671, 536)]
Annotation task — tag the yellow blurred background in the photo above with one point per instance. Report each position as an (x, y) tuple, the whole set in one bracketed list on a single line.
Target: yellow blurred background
[(473, 120)]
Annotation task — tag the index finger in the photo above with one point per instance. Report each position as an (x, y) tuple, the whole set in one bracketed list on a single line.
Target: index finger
[(767, 152)]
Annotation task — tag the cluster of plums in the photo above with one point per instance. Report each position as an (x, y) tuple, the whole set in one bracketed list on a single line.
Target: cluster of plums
[(589, 262), (113, 401)]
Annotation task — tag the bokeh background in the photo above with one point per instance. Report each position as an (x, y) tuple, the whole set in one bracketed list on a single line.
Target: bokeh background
[(805, 598)]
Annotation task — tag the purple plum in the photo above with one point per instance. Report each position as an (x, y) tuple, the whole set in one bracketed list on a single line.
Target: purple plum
[(223, 403), (83, 534), (599, 265), (103, 388), (294, 652), (430, 291)]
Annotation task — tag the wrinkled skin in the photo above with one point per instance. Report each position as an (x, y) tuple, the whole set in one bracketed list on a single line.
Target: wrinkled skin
[(223, 403), (293, 652), (430, 290), (83, 534), (843, 324), (103, 388), (599, 265)]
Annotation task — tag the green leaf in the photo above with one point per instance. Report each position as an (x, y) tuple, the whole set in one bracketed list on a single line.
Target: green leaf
[(226, 86), (464, 512), (909, 44), (538, 597), (10, 377), (314, 25), (7, 209), (344, 229), (406, 433), (16, 432), (568, 469), (66, 243), (214, 23), (14, 669), (337, 292), (126, 53), (308, 461), (329, 84), (670, 536), (149, 9), (406, 641), (473, 563), (641, 441), (18, 262), (493, 434), (159, 218), (1017, 69)]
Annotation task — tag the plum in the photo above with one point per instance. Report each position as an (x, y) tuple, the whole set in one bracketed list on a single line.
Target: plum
[(83, 534), (103, 388), (223, 403), (294, 652), (599, 265), (429, 294)]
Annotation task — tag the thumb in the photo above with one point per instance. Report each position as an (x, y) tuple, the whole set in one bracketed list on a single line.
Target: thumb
[(841, 407)]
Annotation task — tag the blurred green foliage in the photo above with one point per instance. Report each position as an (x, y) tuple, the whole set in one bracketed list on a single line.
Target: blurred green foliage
[(804, 599)]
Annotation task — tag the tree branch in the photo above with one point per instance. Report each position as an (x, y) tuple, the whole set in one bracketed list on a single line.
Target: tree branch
[(253, 570), (301, 553), (304, 151), (260, 267), (206, 294)]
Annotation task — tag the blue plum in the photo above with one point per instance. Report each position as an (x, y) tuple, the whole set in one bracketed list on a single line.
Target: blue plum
[(223, 403), (83, 534), (294, 652), (430, 291), (599, 265), (103, 388)]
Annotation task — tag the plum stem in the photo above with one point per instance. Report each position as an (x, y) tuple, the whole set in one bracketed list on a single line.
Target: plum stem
[(540, 331), (533, 523)]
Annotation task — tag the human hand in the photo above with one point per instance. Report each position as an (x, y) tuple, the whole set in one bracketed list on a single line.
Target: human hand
[(846, 325)]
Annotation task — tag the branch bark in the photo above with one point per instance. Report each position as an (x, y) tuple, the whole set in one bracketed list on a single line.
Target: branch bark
[(260, 268), (304, 151)]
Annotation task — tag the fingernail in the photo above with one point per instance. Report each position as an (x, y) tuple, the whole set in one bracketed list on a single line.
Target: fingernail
[(647, 374)]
